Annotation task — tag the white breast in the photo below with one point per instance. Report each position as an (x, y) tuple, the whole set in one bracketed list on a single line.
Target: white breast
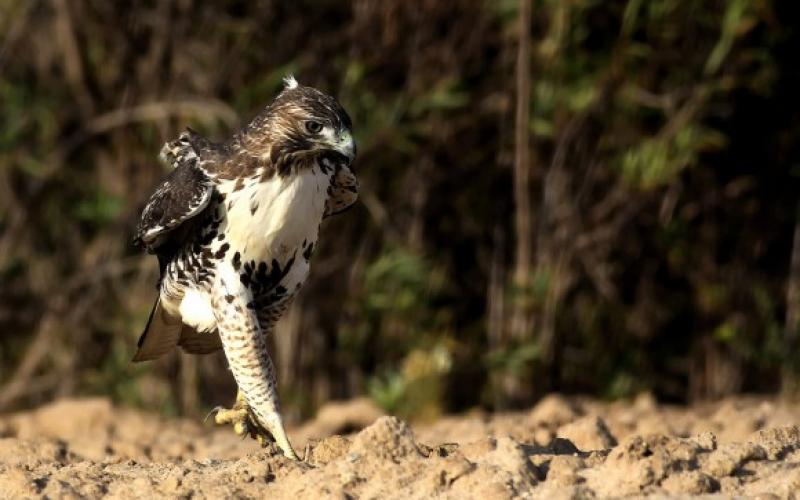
[(271, 219), (264, 221)]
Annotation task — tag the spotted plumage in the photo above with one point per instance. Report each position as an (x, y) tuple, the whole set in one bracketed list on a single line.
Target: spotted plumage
[(234, 226)]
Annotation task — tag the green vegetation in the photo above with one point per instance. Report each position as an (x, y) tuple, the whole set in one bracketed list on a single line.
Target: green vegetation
[(663, 184)]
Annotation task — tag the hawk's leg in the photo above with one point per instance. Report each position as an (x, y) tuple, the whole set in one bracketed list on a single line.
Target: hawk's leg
[(257, 410)]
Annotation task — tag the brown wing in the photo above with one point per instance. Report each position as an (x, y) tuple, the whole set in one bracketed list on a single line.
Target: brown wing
[(184, 194), (169, 217)]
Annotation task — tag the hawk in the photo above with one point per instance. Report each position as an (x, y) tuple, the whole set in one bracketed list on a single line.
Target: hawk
[(234, 226)]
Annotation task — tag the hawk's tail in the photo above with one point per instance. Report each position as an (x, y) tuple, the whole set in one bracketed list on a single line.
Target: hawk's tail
[(162, 333), (185, 148)]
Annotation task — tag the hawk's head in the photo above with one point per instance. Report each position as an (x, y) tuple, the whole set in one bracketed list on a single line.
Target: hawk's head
[(302, 122)]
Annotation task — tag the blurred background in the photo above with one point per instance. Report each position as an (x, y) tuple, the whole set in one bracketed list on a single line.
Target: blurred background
[(583, 196)]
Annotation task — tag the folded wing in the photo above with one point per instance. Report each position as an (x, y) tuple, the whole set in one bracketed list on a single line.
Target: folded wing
[(167, 222)]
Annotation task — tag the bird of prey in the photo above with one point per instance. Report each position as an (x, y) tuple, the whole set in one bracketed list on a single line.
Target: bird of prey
[(234, 225)]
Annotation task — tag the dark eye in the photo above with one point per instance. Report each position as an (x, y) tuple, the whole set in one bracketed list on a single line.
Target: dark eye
[(313, 127)]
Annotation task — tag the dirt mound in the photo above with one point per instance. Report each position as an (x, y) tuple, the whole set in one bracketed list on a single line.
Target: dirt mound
[(563, 448)]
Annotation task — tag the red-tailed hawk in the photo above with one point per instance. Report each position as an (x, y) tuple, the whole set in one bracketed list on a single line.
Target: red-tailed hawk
[(234, 226)]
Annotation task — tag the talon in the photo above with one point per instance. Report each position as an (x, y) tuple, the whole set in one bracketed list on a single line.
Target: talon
[(263, 440), (240, 428), (213, 411)]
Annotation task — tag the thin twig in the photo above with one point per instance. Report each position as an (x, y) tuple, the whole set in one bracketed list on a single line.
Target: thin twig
[(208, 110)]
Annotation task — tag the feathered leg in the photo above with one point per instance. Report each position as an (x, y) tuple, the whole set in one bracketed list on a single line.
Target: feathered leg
[(245, 345)]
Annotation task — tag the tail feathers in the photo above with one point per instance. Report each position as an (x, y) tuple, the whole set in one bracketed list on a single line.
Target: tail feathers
[(162, 333), (187, 147), (195, 342)]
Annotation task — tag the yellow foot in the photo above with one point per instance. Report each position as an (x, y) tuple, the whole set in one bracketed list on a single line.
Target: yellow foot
[(244, 422)]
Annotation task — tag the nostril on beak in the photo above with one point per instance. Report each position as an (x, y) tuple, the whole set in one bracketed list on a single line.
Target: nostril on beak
[(347, 146)]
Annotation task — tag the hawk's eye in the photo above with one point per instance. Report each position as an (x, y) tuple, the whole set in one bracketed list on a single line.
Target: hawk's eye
[(313, 127)]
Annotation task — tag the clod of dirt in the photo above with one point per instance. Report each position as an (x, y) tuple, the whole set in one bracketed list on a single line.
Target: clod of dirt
[(554, 410), (16, 452), (728, 458), (778, 442), (327, 450), (563, 470), (340, 417), (588, 433), (691, 482), (388, 438), (737, 418), (507, 455), (66, 419), (640, 463)]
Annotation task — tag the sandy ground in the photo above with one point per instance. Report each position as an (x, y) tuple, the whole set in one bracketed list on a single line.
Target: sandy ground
[(562, 448)]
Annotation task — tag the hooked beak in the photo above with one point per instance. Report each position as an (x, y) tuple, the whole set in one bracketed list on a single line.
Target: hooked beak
[(346, 145)]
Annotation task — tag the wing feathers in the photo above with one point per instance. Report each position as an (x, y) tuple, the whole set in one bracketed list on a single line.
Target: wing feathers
[(185, 193), (160, 335)]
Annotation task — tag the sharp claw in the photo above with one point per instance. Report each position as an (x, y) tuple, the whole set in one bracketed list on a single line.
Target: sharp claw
[(213, 411)]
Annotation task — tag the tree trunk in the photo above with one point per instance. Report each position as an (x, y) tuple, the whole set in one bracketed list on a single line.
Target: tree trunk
[(521, 322), (520, 318), (790, 385)]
